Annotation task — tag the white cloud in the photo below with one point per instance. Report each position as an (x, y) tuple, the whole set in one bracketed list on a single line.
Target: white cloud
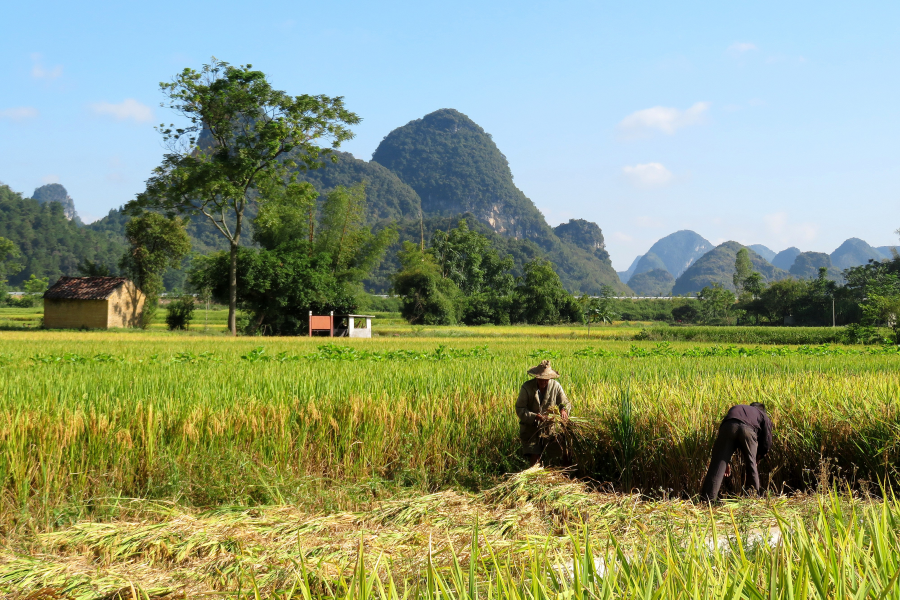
[(18, 113), (128, 109), (87, 219), (649, 175), (776, 222), (650, 222), (39, 71), (784, 59), (49, 179), (622, 236), (661, 118), (780, 228), (741, 47)]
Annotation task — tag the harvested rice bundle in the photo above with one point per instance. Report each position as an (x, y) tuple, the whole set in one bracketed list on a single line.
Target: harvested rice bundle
[(570, 434)]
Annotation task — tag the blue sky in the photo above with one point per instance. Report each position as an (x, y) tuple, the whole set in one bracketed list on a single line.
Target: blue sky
[(765, 122)]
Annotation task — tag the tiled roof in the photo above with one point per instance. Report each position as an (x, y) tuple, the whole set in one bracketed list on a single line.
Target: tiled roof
[(84, 288)]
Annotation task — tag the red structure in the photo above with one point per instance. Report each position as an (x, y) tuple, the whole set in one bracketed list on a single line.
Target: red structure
[(321, 323)]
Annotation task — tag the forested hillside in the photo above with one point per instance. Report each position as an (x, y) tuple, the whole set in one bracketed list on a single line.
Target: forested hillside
[(657, 282), (387, 198), (807, 265), (54, 192), (717, 266), (456, 168), (433, 171), (51, 244), (853, 253), (674, 253)]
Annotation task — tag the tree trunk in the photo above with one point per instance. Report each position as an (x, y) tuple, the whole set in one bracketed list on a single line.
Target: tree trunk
[(232, 290)]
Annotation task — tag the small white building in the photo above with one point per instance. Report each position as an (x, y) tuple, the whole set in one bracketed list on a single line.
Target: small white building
[(355, 326)]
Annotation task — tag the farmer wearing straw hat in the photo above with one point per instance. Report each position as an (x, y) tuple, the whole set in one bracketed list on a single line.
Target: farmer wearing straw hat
[(536, 397)]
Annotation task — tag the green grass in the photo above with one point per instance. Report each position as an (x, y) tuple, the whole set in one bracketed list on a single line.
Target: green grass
[(745, 334), (158, 415), (108, 438), (21, 318)]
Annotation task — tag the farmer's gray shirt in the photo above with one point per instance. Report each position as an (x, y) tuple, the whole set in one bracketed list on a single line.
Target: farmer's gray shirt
[(530, 402)]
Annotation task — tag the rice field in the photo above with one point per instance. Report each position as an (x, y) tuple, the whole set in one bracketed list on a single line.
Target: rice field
[(172, 465)]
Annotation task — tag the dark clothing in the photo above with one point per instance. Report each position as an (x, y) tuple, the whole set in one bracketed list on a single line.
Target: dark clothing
[(758, 420), (744, 428)]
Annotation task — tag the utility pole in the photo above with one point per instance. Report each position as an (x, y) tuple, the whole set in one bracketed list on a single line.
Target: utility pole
[(832, 312)]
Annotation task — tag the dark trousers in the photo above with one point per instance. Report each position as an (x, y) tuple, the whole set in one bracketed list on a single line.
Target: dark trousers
[(733, 435)]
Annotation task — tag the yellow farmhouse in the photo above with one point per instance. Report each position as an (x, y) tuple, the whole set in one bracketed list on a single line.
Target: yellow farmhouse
[(92, 303)]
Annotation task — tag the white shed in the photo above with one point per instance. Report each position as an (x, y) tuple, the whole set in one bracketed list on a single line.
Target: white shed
[(357, 326)]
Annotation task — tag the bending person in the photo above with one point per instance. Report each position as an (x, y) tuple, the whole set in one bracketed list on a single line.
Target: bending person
[(536, 397), (744, 428)]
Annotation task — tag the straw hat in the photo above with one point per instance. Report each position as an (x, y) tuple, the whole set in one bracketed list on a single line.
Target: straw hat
[(543, 371)]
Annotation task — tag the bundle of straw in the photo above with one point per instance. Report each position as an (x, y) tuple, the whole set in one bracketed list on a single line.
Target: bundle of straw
[(569, 433)]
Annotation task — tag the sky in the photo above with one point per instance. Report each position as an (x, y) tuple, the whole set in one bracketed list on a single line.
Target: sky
[(762, 122)]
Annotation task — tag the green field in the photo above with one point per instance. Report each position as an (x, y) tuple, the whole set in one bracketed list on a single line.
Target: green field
[(183, 462)]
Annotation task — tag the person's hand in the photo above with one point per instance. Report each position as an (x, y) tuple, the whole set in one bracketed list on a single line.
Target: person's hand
[(728, 470), (540, 418), (564, 414)]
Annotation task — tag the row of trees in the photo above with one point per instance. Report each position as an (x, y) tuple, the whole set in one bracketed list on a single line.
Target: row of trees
[(243, 146), (869, 296), (310, 257), (461, 278)]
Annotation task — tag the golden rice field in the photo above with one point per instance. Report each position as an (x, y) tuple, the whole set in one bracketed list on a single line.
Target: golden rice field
[(174, 465)]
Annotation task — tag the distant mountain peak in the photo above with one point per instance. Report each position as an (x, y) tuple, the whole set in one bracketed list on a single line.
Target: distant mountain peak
[(764, 251), (807, 265), (853, 253), (54, 192), (586, 235), (455, 167), (674, 253), (784, 259), (717, 266)]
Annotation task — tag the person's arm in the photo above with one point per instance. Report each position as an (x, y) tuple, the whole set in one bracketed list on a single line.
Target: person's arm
[(525, 415), (765, 438), (565, 407)]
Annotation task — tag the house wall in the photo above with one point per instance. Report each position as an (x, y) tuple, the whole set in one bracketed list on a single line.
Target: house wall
[(75, 314), (125, 306)]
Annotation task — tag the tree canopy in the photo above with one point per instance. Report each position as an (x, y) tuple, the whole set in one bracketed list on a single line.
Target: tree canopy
[(258, 134), (311, 259), (50, 244)]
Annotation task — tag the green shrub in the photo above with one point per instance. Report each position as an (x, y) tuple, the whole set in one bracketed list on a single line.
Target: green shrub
[(180, 312), (26, 301), (745, 335)]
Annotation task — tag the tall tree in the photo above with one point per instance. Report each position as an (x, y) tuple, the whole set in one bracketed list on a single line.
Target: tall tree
[(343, 235), (715, 301), (9, 262), (742, 270), (542, 299), (471, 262), (156, 243), (426, 298), (252, 128), (307, 262), (9, 258)]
